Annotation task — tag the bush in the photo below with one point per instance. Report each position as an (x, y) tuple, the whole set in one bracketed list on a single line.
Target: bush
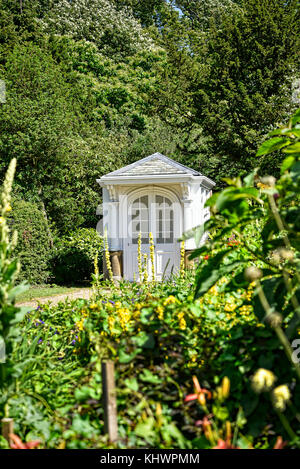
[(73, 261), (261, 216), (34, 240)]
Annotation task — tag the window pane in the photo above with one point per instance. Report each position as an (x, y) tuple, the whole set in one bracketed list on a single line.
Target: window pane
[(164, 220), (139, 214)]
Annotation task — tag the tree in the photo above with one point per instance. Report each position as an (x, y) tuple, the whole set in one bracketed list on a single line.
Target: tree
[(201, 12), (237, 79), (99, 21), (145, 12)]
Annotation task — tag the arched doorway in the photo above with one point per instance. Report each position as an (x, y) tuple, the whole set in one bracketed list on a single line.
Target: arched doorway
[(157, 211)]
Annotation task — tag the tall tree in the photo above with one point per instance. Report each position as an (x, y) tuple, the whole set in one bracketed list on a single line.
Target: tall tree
[(145, 12), (114, 30), (237, 78)]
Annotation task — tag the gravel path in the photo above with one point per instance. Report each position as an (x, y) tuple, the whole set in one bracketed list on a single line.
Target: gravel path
[(84, 293)]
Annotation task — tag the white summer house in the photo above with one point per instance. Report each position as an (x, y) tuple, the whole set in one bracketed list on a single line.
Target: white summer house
[(158, 195)]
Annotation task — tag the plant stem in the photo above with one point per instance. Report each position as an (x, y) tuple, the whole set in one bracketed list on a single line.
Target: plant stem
[(278, 330), (280, 224), (286, 275), (286, 425), (278, 220)]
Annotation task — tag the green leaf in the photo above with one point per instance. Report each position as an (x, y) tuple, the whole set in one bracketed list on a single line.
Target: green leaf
[(201, 443), (271, 145), (287, 163), (132, 384), (220, 412), (294, 148), (127, 357), (20, 314), (144, 340), (208, 275), (249, 179), (145, 429), (296, 118), (148, 377), (14, 292), (231, 194)]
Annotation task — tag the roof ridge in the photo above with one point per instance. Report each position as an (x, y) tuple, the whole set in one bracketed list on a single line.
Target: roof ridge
[(176, 163), (155, 155)]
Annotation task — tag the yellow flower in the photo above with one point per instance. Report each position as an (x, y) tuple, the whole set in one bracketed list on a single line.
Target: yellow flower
[(145, 268), (93, 306), (8, 208), (111, 321), (136, 313), (225, 387), (124, 315), (230, 307), (170, 300), (182, 263), (213, 290), (107, 258), (280, 396), (79, 324), (160, 312), (262, 186), (263, 380), (1, 220), (182, 322), (151, 242)]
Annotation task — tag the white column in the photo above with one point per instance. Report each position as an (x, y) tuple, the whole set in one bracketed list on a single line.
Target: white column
[(188, 222), (113, 225), (187, 204), (103, 224)]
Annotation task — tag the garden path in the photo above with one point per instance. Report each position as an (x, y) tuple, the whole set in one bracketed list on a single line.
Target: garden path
[(84, 293)]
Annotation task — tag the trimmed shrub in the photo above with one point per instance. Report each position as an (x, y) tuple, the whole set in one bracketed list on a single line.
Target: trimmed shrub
[(34, 240), (73, 260)]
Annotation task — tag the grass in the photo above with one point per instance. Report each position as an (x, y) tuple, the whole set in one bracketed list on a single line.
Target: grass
[(44, 291)]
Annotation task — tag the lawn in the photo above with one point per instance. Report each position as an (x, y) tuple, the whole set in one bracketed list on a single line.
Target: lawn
[(44, 291)]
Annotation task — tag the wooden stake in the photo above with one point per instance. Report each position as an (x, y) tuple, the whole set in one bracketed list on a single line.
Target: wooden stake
[(7, 428), (109, 400)]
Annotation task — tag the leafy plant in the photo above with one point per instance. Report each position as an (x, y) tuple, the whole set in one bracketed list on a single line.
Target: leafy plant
[(261, 214), (10, 315), (74, 256), (34, 240)]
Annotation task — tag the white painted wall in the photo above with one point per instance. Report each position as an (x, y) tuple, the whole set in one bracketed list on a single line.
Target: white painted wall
[(115, 212)]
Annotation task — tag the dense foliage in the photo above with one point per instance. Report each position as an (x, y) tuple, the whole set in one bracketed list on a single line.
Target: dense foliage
[(207, 359), (74, 255), (34, 240), (234, 82), (91, 86), (233, 328)]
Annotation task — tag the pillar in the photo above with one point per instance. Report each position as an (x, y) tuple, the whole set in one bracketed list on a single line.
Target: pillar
[(188, 263), (116, 261)]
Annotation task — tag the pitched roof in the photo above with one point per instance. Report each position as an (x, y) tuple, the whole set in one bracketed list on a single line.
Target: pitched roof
[(154, 164)]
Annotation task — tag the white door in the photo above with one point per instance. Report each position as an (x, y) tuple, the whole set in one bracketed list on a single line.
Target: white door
[(153, 212)]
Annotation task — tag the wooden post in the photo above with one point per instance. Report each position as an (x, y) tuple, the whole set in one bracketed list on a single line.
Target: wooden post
[(7, 428), (109, 400)]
